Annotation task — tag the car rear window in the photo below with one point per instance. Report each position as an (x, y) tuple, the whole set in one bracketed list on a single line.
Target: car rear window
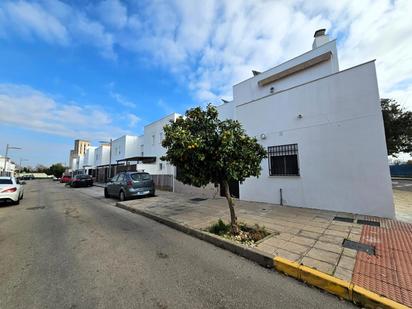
[(6, 182), (82, 176), (141, 176)]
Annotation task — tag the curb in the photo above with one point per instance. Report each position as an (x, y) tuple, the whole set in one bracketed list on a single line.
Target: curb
[(335, 286), (311, 276)]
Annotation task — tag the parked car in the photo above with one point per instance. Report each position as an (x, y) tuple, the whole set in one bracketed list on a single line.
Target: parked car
[(81, 181), (130, 184), (11, 190), (66, 179)]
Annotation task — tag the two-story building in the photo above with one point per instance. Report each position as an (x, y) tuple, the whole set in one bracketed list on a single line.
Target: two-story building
[(323, 130)]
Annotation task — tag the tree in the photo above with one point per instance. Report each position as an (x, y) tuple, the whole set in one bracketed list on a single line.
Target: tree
[(207, 150), (57, 169), (398, 127)]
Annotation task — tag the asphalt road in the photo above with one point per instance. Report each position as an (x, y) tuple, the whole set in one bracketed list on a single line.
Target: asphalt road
[(70, 248), (402, 184)]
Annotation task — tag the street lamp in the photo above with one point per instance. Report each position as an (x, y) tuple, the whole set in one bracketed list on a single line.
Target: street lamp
[(5, 157), (110, 156)]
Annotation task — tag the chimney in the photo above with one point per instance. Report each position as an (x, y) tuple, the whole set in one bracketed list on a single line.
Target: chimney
[(320, 38)]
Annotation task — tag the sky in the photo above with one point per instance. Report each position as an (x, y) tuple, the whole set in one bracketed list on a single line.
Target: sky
[(100, 69)]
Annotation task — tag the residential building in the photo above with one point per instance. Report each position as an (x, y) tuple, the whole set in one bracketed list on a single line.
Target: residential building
[(7, 169), (323, 131), (79, 150)]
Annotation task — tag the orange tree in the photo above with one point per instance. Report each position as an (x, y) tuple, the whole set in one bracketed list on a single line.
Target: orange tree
[(207, 150)]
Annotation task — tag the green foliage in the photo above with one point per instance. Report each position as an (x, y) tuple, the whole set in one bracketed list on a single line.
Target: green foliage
[(219, 228), (56, 169), (247, 235), (398, 127), (207, 150)]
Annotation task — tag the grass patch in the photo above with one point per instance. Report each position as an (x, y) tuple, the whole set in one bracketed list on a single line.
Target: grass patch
[(248, 235)]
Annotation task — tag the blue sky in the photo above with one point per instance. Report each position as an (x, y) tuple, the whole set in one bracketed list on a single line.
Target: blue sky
[(100, 69)]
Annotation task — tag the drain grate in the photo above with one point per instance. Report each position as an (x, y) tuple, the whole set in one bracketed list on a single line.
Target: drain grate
[(198, 199), (358, 246), (368, 222), (343, 219)]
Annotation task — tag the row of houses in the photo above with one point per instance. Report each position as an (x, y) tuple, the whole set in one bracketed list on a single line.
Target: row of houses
[(322, 127)]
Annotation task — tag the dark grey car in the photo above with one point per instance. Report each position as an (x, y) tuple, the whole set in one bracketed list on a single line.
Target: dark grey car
[(130, 184)]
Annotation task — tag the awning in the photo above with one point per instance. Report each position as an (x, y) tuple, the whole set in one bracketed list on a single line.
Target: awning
[(139, 159)]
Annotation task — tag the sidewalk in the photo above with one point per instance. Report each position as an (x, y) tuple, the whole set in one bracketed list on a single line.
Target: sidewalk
[(310, 237)]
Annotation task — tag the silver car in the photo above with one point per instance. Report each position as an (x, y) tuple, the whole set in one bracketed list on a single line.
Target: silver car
[(130, 184)]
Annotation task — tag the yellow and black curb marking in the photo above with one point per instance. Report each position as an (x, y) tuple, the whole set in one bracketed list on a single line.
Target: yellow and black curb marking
[(333, 285), (313, 277)]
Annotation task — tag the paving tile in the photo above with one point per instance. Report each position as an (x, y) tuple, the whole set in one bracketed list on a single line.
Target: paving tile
[(341, 228), (347, 263), (332, 239), (354, 237), (295, 248), (312, 229), (308, 234), (284, 236), (287, 255), (349, 252), (275, 242), (323, 255), (343, 274), (328, 247), (266, 248), (336, 233), (303, 241), (319, 265)]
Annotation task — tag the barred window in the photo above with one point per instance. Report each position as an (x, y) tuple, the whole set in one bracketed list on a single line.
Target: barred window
[(283, 160)]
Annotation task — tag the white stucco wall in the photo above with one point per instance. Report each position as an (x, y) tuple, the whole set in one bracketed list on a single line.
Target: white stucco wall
[(342, 151), (249, 89), (89, 156), (101, 155)]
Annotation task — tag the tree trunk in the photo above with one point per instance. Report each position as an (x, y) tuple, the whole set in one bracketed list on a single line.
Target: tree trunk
[(233, 220)]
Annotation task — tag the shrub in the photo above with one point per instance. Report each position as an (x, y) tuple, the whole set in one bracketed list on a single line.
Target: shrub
[(219, 228)]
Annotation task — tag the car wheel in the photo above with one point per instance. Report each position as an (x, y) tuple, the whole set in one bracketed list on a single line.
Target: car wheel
[(22, 196), (17, 202), (106, 194), (122, 196)]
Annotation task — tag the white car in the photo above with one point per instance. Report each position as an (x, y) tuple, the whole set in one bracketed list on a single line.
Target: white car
[(10, 190)]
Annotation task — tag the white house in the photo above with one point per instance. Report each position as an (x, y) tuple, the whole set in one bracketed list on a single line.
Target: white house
[(102, 155), (10, 167), (89, 158), (323, 131), (124, 147)]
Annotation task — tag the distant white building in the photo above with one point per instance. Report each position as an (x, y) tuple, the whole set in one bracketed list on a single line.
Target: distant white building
[(323, 131), (10, 167)]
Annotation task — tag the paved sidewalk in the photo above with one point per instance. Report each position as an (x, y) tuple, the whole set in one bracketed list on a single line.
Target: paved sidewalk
[(308, 236)]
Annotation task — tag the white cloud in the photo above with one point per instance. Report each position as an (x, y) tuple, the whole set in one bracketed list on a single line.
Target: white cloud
[(210, 45), (133, 120), (26, 107), (30, 19), (113, 13), (122, 100)]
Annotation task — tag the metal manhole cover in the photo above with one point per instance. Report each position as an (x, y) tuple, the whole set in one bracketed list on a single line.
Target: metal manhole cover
[(368, 222), (198, 199), (343, 219), (358, 246)]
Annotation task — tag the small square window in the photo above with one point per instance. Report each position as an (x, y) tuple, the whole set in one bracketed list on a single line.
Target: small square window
[(283, 160)]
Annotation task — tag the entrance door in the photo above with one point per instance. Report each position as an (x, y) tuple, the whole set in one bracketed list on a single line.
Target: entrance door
[(233, 187)]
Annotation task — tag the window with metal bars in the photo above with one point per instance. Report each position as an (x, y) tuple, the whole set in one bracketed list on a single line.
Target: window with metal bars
[(283, 160)]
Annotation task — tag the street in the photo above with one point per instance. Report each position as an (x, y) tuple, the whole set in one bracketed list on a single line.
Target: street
[(70, 248)]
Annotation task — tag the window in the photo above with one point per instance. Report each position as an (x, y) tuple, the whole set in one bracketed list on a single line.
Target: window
[(160, 137), (140, 176), (142, 150), (160, 166), (153, 140), (283, 160)]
